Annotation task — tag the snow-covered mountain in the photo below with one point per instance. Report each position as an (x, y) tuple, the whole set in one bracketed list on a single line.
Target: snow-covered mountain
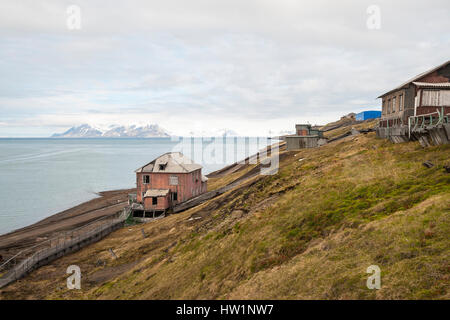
[(83, 131), (132, 131)]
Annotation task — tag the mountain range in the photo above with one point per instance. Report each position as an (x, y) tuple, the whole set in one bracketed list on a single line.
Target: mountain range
[(113, 131)]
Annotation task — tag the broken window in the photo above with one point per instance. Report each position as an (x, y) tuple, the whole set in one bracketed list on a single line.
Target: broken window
[(154, 200), (162, 166), (434, 98), (173, 180), (400, 102), (174, 196), (146, 179)]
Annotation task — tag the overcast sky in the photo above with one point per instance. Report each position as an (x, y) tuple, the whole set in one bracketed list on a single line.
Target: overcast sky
[(250, 66)]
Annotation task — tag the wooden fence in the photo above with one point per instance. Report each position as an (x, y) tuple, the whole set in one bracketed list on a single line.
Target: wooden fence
[(26, 260)]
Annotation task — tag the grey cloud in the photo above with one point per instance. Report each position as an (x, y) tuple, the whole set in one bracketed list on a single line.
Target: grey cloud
[(223, 59)]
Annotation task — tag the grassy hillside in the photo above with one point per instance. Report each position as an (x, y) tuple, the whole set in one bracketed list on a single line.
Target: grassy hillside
[(308, 232)]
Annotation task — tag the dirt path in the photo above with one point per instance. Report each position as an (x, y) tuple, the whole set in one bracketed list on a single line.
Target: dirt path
[(109, 203)]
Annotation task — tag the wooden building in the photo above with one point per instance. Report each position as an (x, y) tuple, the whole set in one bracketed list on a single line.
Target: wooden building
[(305, 137), (422, 95), (166, 181)]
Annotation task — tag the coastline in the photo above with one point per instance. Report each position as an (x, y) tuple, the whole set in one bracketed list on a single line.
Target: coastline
[(108, 203)]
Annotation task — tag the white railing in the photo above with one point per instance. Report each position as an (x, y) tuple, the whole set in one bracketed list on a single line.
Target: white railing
[(427, 121)]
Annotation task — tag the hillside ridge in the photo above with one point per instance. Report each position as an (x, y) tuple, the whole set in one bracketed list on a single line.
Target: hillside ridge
[(308, 232)]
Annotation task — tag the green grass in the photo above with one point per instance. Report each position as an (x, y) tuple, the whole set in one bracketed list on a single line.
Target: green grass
[(309, 232)]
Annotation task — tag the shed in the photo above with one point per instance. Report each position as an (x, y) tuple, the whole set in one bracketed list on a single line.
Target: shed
[(156, 199), (305, 137), (366, 115)]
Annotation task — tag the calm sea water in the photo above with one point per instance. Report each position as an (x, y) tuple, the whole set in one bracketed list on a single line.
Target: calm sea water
[(40, 177)]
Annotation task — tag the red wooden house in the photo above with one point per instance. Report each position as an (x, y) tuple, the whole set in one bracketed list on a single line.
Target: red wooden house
[(422, 95), (168, 180)]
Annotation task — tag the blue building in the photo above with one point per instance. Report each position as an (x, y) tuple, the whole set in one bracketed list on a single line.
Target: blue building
[(365, 115)]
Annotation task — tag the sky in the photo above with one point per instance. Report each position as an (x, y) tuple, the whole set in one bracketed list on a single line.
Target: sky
[(256, 67)]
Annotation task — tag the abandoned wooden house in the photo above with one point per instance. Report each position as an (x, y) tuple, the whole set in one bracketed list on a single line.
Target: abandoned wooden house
[(165, 182), (305, 137), (418, 107)]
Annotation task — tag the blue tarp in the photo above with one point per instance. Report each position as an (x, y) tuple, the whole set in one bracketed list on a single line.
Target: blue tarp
[(372, 114)]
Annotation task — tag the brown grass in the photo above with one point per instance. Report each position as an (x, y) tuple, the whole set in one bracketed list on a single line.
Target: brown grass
[(308, 232)]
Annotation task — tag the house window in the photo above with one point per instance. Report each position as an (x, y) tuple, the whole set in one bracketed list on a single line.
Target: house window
[(383, 108), (444, 98), (146, 179), (400, 102), (173, 180), (393, 103), (154, 201), (389, 106), (430, 98), (175, 196), (162, 166)]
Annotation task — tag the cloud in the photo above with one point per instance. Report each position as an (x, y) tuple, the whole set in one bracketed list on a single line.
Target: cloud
[(237, 64)]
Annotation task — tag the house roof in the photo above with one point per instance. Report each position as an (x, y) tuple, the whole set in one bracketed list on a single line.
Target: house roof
[(171, 162), (432, 85), (204, 179), (156, 193), (421, 75)]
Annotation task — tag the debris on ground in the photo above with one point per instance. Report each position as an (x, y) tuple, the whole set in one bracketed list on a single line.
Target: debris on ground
[(428, 164), (354, 131), (424, 141), (112, 253), (100, 263)]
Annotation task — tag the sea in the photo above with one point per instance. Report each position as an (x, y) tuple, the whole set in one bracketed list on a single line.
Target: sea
[(43, 176)]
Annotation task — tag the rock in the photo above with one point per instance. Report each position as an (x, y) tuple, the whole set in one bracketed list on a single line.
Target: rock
[(100, 263), (236, 214), (112, 253), (355, 132), (321, 142), (428, 164)]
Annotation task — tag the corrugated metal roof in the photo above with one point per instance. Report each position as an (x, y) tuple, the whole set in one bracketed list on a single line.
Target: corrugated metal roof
[(433, 85), (416, 78), (156, 193), (171, 162)]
